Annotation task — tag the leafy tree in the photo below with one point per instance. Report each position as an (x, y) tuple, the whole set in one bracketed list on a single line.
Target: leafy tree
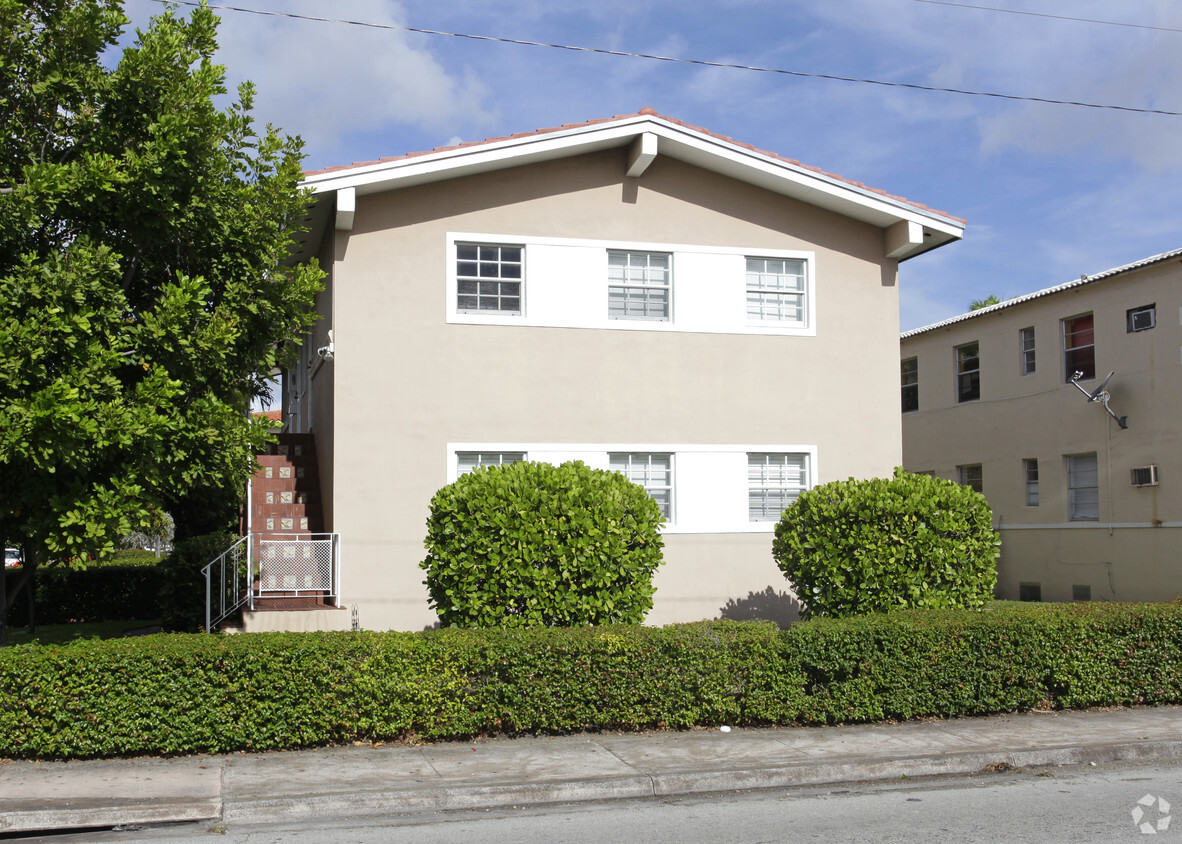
[(143, 291), (535, 545), (978, 304), (856, 547)]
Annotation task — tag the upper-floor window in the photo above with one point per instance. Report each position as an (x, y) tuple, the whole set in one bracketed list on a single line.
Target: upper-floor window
[(1079, 346), (469, 460), (910, 380), (639, 285), (1030, 467), (971, 476), (776, 290), (654, 472), (1083, 488), (1026, 341), (968, 373), (773, 482), (488, 278), (1142, 318)]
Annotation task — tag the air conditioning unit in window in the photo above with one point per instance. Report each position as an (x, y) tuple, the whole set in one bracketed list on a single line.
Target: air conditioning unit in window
[(1144, 476), (1142, 319)]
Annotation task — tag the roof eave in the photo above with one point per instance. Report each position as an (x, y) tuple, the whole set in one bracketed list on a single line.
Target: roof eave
[(693, 147)]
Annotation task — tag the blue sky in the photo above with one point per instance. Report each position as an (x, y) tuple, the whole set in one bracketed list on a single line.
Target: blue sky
[(1049, 191)]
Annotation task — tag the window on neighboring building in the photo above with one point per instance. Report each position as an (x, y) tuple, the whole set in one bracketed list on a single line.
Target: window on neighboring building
[(654, 472), (773, 482), (968, 373), (910, 379), (970, 476), (1083, 488), (469, 460), (639, 285), (488, 278), (1142, 318), (1026, 336), (1031, 468), (776, 290), (1079, 346)]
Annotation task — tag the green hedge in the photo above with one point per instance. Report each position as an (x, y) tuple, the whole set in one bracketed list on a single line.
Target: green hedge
[(124, 588), (175, 694)]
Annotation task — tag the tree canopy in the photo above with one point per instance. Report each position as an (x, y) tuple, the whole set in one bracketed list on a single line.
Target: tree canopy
[(144, 291)]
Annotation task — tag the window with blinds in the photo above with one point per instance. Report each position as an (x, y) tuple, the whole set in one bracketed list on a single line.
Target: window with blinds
[(773, 482), (654, 472), (639, 285), (776, 290), (469, 460)]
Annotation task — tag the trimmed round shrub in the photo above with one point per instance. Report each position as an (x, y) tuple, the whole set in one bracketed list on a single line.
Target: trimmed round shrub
[(858, 547), (532, 544)]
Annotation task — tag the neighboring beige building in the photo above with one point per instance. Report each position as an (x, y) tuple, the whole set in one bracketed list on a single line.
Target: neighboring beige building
[(1087, 509), (714, 320)]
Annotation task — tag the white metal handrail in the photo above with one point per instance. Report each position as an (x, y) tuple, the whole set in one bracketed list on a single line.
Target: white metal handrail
[(227, 583)]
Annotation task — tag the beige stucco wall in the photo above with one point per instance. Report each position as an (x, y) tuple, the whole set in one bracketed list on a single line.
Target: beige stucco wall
[(406, 383), (1134, 552)]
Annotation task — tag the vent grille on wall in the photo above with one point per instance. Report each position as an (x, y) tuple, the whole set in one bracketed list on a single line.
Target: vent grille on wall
[(1144, 476)]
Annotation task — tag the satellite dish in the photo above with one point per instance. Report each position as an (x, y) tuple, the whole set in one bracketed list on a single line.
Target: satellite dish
[(1100, 394)]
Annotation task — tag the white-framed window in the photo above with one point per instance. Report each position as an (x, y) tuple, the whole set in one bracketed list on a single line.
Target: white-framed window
[(1030, 468), (968, 372), (489, 278), (640, 285), (970, 475), (773, 482), (1026, 345), (776, 290), (1083, 488), (652, 471), (466, 461), (909, 378)]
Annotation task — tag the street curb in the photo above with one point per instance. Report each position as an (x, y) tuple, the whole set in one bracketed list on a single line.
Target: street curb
[(639, 786), (105, 817)]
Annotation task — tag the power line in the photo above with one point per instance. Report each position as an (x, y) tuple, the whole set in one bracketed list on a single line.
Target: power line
[(1045, 15), (699, 62)]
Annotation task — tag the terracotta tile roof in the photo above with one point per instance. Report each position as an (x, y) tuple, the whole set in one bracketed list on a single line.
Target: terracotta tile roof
[(646, 111), (273, 415)]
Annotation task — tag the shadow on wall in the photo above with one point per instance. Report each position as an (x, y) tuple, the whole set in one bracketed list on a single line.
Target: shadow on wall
[(768, 605)]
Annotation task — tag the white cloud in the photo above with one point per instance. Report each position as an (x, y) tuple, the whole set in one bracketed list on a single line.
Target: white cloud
[(327, 81)]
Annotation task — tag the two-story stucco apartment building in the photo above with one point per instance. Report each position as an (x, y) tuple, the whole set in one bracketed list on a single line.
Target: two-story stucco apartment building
[(1087, 509), (715, 321)]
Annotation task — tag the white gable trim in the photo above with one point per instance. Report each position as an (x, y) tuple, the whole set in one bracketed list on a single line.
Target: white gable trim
[(649, 133)]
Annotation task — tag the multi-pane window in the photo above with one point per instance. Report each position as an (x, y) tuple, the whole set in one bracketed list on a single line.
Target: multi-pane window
[(654, 472), (910, 380), (469, 460), (488, 278), (773, 482), (968, 373), (776, 289), (1079, 346), (1026, 341), (1142, 318), (970, 476), (1083, 488), (639, 285), (1030, 467)]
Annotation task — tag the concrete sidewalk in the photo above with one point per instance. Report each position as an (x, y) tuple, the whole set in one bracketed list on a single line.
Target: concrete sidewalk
[(330, 782)]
